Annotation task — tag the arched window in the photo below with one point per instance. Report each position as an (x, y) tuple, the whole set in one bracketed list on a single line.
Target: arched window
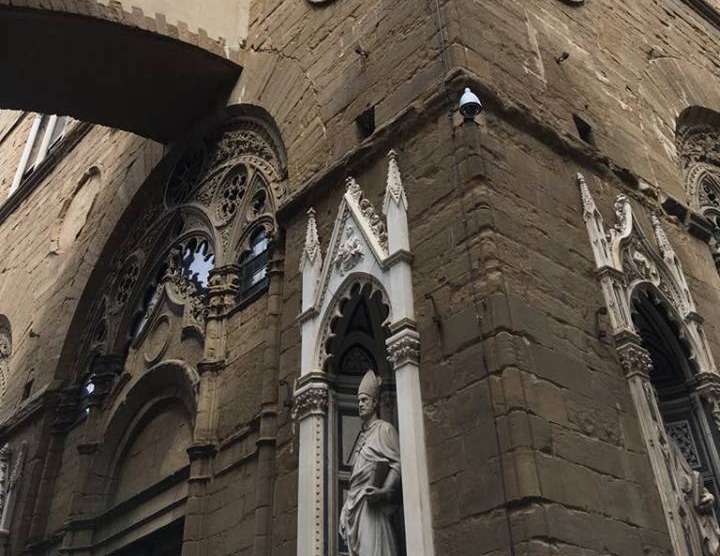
[(686, 418), (253, 266), (187, 268)]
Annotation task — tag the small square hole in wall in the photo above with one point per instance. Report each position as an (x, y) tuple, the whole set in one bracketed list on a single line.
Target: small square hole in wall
[(27, 389), (365, 123), (585, 130)]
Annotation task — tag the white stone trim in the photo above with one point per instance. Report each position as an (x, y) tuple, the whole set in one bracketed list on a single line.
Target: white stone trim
[(625, 259), (362, 248)]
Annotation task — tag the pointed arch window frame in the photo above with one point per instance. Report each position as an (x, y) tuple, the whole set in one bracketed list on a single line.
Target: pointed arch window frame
[(625, 259), (363, 248)]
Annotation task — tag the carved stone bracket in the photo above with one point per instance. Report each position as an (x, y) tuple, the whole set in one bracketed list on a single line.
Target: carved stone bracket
[(310, 401), (67, 408), (211, 365), (404, 348)]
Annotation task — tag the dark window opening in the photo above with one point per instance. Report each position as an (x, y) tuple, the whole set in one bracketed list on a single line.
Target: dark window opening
[(86, 390), (27, 389), (166, 541), (253, 266), (365, 123), (585, 130)]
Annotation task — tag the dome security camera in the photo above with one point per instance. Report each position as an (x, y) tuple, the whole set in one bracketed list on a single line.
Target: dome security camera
[(470, 105)]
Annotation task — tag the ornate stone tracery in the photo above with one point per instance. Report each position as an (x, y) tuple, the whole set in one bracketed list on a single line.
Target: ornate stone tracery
[(218, 192), (367, 253), (626, 261), (5, 353), (12, 467), (698, 148)]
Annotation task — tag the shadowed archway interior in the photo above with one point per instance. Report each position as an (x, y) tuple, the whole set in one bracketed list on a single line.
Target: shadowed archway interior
[(687, 421)]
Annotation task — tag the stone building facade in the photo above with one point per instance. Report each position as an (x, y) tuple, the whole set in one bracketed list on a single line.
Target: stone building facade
[(204, 252)]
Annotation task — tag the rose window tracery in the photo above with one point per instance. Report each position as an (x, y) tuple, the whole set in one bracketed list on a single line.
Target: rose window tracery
[(217, 204), (126, 283), (185, 176), (231, 194)]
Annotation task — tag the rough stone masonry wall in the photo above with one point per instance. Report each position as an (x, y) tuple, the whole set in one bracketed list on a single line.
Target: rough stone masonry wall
[(316, 68), (49, 245), (578, 479), (631, 68), (511, 286)]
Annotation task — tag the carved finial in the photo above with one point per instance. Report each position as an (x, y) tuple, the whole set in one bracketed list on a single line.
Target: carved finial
[(394, 190), (588, 202), (663, 242), (353, 188), (312, 242)]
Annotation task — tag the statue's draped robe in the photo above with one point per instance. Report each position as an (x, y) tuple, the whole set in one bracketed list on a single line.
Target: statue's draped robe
[(366, 527)]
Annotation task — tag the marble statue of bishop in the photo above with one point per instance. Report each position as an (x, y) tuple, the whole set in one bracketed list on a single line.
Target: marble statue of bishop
[(365, 518)]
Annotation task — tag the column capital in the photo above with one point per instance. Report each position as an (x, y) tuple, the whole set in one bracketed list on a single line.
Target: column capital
[(404, 347), (635, 359), (310, 400)]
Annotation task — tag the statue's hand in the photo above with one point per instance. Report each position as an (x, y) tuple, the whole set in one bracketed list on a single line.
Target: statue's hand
[(375, 495)]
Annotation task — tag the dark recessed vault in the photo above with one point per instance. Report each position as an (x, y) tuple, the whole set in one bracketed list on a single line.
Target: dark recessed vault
[(111, 73)]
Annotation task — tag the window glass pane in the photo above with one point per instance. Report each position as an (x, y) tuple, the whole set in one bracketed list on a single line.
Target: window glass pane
[(349, 428)]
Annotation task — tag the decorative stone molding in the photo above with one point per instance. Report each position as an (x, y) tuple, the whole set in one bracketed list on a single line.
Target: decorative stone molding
[(311, 401), (394, 190), (708, 386), (626, 259), (364, 248), (404, 347), (368, 212), (350, 252), (5, 454), (222, 291), (695, 504), (635, 360), (9, 484), (311, 250), (5, 354)]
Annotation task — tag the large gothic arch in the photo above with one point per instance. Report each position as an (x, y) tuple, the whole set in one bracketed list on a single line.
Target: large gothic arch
[(150, 326)]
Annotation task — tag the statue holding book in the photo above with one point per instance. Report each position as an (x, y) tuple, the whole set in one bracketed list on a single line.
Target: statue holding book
[(365, 520)]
